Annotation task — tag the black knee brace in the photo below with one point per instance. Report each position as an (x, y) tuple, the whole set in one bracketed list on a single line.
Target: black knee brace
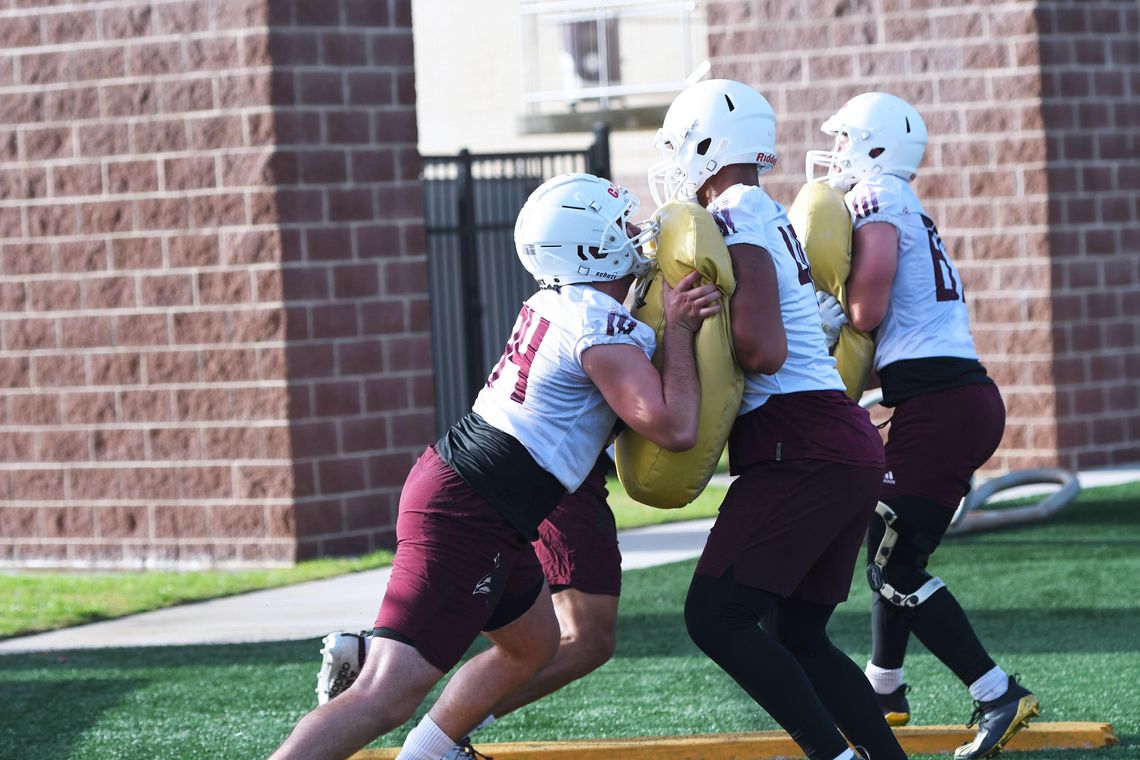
[(900, 541)]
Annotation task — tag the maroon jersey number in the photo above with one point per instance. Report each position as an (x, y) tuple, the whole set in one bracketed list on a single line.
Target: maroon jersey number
[(946, 287), (518, 356), (798, 255)]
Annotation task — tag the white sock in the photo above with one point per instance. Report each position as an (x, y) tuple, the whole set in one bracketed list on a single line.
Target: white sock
[(990, 686), (425, 742), (884, 680), (847, 754)]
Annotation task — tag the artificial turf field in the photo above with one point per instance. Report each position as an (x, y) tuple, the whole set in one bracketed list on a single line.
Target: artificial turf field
[(1058, 603)]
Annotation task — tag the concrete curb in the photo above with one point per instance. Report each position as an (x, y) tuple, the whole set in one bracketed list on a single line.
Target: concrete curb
[(776, 744)]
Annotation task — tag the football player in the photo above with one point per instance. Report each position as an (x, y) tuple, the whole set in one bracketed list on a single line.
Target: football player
[(575, 362), (578, 550), (782, 551), (905, 289)]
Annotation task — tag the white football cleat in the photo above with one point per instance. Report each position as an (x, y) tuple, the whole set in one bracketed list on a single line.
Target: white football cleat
[(342, 657)]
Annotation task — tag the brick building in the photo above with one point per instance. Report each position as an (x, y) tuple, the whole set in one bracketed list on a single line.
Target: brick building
[(213, 311), (1032, 174), (214, 323)]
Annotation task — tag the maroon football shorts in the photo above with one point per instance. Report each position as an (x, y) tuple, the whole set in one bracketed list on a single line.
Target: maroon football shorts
[(577, 543), (794, 528), (937, 440), (460, 567)]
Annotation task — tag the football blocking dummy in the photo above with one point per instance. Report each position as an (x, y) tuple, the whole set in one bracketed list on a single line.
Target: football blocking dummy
[(689, 240), (823, 225)]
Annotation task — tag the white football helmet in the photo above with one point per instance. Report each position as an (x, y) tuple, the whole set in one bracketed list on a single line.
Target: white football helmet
[(572, 229), (875, 133), (710, 125)]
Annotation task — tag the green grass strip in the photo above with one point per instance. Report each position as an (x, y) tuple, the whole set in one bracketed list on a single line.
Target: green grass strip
[(31, 602)]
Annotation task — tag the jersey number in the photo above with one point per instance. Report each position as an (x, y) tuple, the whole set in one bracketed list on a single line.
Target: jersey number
[(798, 255), (518, 356), (946, 287)]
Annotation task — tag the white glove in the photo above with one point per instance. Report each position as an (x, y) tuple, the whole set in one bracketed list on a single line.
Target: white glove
[(831, 316)]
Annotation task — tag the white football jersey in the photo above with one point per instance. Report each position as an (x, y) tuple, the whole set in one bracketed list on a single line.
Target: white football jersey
[(926, 315), (540, 394), (745, 214)]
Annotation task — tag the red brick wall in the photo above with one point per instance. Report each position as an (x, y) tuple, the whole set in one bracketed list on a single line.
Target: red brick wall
[(1090, 63), (213, 314), (1020, 133), (355, 274)]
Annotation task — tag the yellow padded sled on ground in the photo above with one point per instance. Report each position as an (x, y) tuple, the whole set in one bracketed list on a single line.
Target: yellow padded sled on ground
[(777, 744), (823, 225), (689, 240)]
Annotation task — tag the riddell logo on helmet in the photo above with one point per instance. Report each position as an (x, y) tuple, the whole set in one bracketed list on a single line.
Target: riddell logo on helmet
[(765, 158)]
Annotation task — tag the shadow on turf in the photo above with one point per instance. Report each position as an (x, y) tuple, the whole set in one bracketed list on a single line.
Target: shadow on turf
[(144, 658), (1013, 631), (27, 733)]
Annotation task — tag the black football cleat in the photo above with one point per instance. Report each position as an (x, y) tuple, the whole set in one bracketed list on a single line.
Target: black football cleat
[(464, 750), (999, 720), (895, 708)]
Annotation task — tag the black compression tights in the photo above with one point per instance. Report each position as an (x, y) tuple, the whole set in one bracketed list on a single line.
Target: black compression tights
[(939, 622), (788, 666)]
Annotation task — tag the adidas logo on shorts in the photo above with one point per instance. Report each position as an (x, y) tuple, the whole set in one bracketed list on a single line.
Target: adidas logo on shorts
[(483, 586), (889, 478)]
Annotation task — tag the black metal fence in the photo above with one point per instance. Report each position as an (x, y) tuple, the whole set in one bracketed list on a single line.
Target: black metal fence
[(476, 281)]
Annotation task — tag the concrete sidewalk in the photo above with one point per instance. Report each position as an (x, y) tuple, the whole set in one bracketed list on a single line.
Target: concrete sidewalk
[(350, 602), (309, 610)]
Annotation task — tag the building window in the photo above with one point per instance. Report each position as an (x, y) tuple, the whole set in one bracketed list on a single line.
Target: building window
[(588, 60)]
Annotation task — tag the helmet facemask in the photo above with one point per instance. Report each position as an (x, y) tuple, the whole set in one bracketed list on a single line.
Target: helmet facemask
[(617, 242), (668, 178), (839, 162)]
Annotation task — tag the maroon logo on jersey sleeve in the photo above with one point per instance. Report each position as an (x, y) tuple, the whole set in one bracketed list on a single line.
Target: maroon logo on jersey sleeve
[(616, 322), (866, 204), (723, 219)]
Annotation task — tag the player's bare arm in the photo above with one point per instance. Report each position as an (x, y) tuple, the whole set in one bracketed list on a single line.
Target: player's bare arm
[(874, 259), (663, 407), (758, 335)]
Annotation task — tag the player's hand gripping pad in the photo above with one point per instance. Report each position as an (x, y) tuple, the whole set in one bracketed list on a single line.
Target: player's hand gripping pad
[(823, 225), (689, 240)]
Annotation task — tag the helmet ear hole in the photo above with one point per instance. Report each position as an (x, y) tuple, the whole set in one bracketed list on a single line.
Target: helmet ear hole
[(703, 146), (876, 152)]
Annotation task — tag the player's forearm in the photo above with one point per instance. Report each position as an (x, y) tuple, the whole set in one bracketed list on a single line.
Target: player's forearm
[(680, 388)]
